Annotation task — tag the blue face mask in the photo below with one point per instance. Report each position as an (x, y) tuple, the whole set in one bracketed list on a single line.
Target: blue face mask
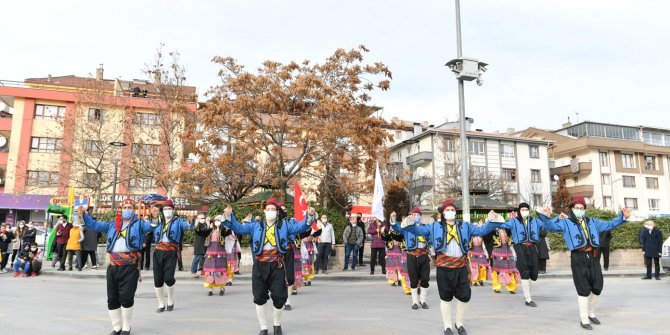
[(417, 219), (127, 214), (579, 213)]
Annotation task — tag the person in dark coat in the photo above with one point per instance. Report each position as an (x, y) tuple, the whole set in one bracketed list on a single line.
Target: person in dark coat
[(89, 247), (651, 241), (605, 238), (6, 237), (202, 230), (360, 223), (542, 252)]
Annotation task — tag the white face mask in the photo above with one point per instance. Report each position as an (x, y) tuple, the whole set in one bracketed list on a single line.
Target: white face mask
[(202, 220), (168, 213), (270, 215), (449, 215), (62, 222), (524, 214), (217, 223), (21, 225)]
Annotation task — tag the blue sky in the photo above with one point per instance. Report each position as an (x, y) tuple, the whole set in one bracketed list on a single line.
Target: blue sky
[(606, 60)]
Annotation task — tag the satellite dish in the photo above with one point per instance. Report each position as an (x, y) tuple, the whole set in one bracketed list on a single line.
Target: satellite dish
[(3, 141)]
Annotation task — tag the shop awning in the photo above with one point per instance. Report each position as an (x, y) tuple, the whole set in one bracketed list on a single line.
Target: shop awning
[(24, 201)]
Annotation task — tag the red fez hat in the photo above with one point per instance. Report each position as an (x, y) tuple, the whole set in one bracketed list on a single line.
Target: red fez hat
[(129, 201), (578, 201), (168, 203), (272, 201), (448, 203), (416, 210)]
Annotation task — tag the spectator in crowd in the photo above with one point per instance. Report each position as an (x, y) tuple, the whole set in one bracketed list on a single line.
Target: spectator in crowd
[(35, 256), (89, 246), (605, 238), (543, 252), (6, 237), (29, 234), (326, 242), (202, 231), (361, 224), (62, 236), (353, 241), (651, 241), (378, 245), (73, 246), (22, 263), (17, 242), (145, 258)]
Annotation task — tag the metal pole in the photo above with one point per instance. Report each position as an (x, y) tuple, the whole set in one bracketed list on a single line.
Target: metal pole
[(465, 187), (116, 168), (411, 178)]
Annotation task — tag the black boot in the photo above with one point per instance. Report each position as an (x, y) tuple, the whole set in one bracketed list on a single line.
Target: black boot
[(263, 332), (461, 331), (586, 326), (278, 330)]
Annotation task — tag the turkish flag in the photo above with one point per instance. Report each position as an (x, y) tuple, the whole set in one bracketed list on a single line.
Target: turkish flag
[(299, 202)]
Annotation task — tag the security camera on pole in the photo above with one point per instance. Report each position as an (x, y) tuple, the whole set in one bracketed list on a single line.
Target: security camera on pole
[(465, 69)]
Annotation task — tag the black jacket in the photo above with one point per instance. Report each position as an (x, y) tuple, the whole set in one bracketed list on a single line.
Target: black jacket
[(7, 241), (201, 233), (651, 242), (542, 248), (605, 238), (29, 235)]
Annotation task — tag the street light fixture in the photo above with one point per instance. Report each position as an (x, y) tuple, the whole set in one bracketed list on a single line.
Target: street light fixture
[(465, 69), (116, 144)]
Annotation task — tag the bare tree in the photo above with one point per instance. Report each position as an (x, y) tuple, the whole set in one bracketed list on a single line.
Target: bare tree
[(534, 194)]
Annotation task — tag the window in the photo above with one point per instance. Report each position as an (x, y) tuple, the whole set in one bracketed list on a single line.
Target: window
[(654, 204), (507, 150), (96, 115), (479, 171), (398, 155), (450, 145), (535, 176), (46, 144), (630, 203), (145, 149), (627, 161), (511, 198), (607, 202), (42, 178), (147, 119), (398, 135), (509, 174), (652, 183), (476, 148), (534, 151), (628, 181), (538, 199), (93, 147), (604, 160), (649, 163), (652, 138), (142, 182), (47, 112), (606, 179)]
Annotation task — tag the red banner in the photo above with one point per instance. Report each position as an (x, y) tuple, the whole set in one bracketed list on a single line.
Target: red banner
[(300, 204)]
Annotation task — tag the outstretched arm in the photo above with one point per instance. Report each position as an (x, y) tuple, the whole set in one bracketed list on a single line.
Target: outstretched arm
[(100, 227), (609, 225), (553, 225)]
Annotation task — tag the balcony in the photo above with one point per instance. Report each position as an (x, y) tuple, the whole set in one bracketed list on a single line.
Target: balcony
[(421, 185), (419, 158), (581, 190), (572, 170)]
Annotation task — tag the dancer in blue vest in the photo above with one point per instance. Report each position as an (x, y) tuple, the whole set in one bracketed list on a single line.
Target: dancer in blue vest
[(269, 244), (124, 244), (451, 240), (167, 231), (581, 235), (525, 234)]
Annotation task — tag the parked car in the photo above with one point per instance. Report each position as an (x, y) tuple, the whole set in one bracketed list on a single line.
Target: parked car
[(665, 258)]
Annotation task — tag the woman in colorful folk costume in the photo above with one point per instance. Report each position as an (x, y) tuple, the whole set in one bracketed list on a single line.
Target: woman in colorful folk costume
[(581, 235), (480, 268), (451, 240), (525, 232), (232, 248), (168, 230), (269, 245), (308, 254), (216, 269), (124, 243), (418, 261), (504, 264), (396, 260)]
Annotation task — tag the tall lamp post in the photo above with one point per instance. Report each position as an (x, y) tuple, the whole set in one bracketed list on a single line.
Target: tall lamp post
[(465, 69), (115, 144), (411, 171)]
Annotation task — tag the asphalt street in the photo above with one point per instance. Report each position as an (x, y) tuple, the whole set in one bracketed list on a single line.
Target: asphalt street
[(60, 305)]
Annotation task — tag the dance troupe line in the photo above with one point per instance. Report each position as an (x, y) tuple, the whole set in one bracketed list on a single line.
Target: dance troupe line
[(284, 253)]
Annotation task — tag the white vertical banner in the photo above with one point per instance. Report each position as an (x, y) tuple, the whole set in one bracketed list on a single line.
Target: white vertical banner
[(378, 196)]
